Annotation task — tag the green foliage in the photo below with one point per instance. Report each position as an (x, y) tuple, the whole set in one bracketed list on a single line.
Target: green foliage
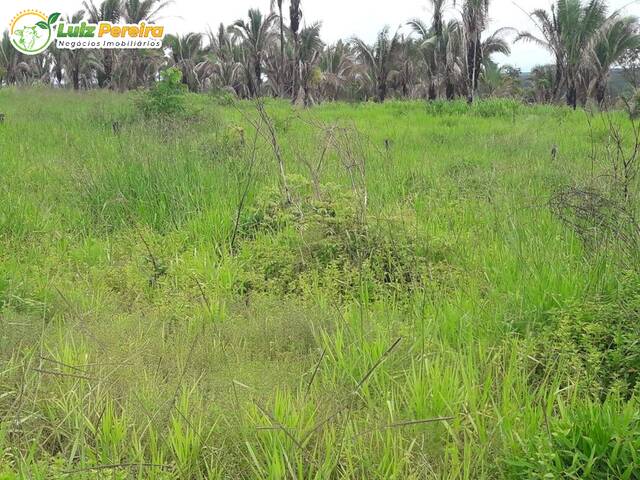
[(632, 104), (595, 342), (487, 108), (497, 107), (166, 97), (323, 239), (591, 441), (223, 97), (127, 333), (444, 107)]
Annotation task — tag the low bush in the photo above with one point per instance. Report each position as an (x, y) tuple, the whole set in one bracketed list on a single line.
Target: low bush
[(225, 97), (166, 97), (595, 342), (493, 107), (324, 240), (496, 107), (447, 107), (590, 441)]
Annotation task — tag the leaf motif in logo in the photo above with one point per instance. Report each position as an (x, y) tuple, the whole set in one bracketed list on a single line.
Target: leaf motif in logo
[(53, 17), (43, 25)]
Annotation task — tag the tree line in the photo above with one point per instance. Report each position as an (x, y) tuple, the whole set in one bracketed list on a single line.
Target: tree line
[(278, 53)]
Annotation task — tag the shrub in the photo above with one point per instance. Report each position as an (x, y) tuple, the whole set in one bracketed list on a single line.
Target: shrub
[(600, 218), (596, 343), (447, 107), (223, 96), (167, 96), (492, 107), (496, 107), (323, 240), (589, 441)]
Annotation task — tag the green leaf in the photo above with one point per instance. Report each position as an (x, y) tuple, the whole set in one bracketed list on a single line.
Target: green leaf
[(42, 25), (53, 17)]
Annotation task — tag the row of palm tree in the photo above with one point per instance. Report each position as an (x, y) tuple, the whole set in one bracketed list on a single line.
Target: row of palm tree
[(585, 41), (445, 57)]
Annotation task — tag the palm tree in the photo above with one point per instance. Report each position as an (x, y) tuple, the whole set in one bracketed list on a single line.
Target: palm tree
[(41, 67), (279, 4), (580, 27), (187, 54), (444, 57), (403, 76), (454, 59), (80, 65), (337, 64), (542, 79), (549, 39), (309, 56), (137, 68), (495, 43), (622, 36), (255, 34), (429, 43), (571, 32), (13, 67), (433, 46), (136, 11), (275, 70), (379, 59), (224, 60), (500, 81), (474, 19), (56, 61), (140, 66), (295, 16), (107, 11)]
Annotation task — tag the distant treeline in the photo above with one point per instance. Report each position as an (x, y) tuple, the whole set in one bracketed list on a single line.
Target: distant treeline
[(446, 56)]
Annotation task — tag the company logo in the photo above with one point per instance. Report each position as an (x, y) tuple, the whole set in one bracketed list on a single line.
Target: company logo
[(31, 32)]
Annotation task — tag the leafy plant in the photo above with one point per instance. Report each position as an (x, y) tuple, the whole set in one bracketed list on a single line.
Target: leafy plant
[(596, 342), (324, 241), (167, 97), (590, 441)]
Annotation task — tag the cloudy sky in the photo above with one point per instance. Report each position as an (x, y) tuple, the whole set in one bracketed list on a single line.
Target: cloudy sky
[(340, 18)]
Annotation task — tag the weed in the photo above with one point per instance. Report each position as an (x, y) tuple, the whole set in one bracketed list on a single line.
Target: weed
[(596, 341), (166, 97), (323, 242)]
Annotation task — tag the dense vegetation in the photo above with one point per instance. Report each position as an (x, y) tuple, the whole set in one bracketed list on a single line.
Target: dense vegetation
[(281, 54), (198, 287)]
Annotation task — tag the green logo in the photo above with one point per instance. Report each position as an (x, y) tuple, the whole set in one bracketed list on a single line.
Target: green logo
[(31, 32)]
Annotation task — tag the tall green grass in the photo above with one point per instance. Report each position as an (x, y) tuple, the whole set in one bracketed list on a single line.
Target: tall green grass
[(137, 342)]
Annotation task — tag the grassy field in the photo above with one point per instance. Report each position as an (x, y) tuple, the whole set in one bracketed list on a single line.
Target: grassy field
[(416, 310)]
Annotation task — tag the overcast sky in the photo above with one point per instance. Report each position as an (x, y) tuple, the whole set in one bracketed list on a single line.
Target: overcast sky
[(340, 18)]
